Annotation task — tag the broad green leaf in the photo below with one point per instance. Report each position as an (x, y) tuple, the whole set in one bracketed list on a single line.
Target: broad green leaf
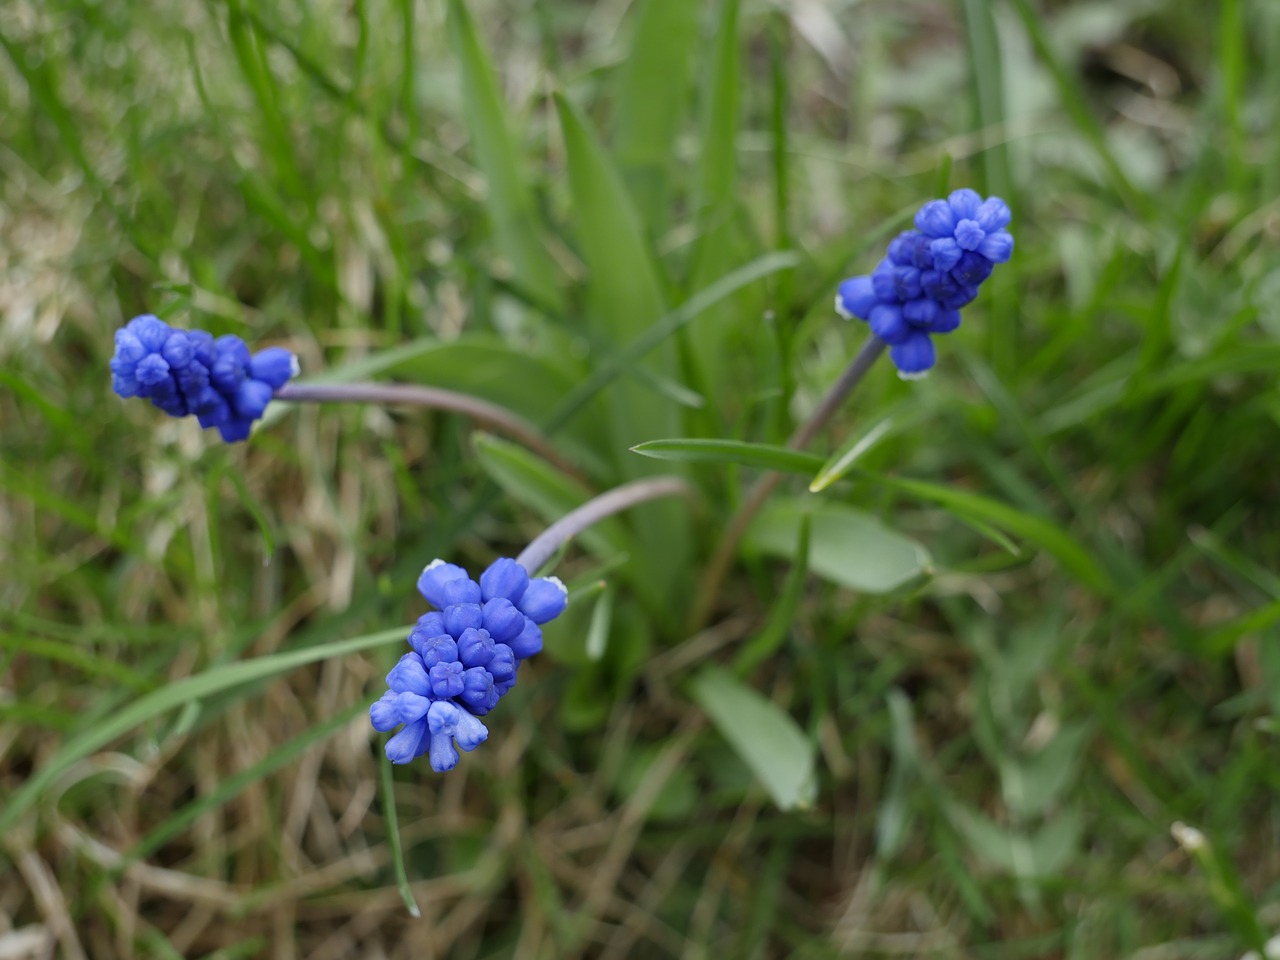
[(1043, 533), (762, 455), (172, 696), (1024, 855), (611, 368), (626, 301), (1031, 784), (626, 293), (847, 546), (769, 742), (509, 201), (542, 487), (652, 99)]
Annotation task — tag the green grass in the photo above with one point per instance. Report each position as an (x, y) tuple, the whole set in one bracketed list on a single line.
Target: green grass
[(626, 222)]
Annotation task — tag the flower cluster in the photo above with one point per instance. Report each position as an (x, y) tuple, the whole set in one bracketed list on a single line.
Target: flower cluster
[(189, 372), (464, 658), (930, 273)]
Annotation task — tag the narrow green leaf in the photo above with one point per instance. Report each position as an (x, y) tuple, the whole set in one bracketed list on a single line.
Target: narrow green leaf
[(1074, 558), (842, 461), (611, 368), (847, 547), (601, 623), (893, 817), (509, 201), (716, 197), (232, 786), (387, 789), (1077, 104), (762, 455), (530, 480), (625, 287), (783, 615), (769, 742), (178, 694), (1225, 887), (652, 98)]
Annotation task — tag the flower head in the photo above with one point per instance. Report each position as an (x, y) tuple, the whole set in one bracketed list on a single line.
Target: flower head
[(464, 657), (928, 274), (188, 372)]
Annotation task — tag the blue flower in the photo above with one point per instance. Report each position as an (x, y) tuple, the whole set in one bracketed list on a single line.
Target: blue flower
[(188, 372), (464, 657), (928, 274)]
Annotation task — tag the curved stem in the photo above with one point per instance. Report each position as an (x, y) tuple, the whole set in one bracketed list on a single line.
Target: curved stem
[(482, 411), (800, 438), (544, 546)]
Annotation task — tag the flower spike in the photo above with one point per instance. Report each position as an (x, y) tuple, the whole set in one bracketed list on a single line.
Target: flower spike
[(464, 658), (188, 372), (928, 274)]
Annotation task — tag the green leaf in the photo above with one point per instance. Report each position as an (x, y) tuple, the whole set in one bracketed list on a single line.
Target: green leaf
[(611, 368), (390, 817), (1043, 533), (717, 197), (177, 694), (1030, 785), (230, 787), (847, 546), (769, 742), (545, 489), (626, 301), (1024, 855), (509, 201), (601, 622), (626, 293), (894, 815), (843, 460), (652, 99), (783, 615), (763, 455)]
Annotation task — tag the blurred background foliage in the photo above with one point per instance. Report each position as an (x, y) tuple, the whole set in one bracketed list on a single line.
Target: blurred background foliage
[(1034, 627)]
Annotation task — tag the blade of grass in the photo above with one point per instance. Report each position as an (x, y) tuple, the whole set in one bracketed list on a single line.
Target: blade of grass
[(387, 790), (651, 102), (172, 696), (509, 201)]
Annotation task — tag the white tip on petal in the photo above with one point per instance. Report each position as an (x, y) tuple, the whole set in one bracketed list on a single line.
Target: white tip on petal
[(841, 310), (295, 367), (913, 376), (437, 562), (559, 583)]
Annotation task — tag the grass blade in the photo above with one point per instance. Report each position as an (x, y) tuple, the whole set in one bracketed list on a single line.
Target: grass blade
[(387, 788), (178, 694), (651, 102), (762, 455), (510, 201)]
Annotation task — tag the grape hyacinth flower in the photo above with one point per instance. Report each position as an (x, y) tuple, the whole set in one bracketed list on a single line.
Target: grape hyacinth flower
[(190, 372), (928, 274), (464, 659)]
